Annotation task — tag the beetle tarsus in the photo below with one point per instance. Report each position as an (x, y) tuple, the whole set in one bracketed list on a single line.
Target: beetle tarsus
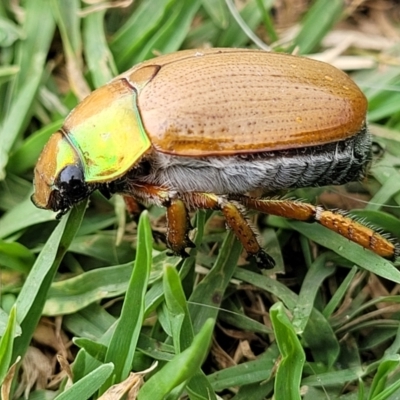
[(182, 253), (190, 244), (264, 260)]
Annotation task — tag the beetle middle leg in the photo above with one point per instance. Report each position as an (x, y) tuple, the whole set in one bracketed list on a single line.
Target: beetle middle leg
[(236, 221), (179, 225), (333, 220), (178, 222)]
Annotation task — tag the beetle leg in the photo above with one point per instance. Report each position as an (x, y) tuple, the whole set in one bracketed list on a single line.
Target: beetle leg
[(178, 222), (236, 221), (333, 220), (133, 206), (178, 227)]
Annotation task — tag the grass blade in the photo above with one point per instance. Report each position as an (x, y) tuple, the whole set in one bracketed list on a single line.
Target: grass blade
[(180, 368), (33, 294), (123, 343), (88, 385), (289, 372), (6, 344), (206, 299)]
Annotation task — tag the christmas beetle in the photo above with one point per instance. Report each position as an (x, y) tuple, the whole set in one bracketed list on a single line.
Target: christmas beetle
[(206, 129)]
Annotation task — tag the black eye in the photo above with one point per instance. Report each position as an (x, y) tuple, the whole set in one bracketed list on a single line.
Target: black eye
[(71, 183)]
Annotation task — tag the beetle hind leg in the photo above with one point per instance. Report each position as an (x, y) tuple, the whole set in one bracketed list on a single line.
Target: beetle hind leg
[(237, 222), (333, 220)]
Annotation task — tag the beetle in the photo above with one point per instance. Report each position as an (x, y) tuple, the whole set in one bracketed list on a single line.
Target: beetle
[(206, 129)]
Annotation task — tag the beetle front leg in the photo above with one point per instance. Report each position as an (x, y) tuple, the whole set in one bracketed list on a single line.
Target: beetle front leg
[(236, 221)]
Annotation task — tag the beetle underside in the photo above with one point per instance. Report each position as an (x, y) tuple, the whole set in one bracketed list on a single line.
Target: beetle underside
[(330, 164), (222, 183)]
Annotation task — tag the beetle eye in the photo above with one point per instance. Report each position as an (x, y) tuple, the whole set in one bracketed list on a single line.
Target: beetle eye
[(72, 184)]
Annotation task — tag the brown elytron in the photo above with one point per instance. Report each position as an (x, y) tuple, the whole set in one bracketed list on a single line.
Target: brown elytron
[(209, 102)]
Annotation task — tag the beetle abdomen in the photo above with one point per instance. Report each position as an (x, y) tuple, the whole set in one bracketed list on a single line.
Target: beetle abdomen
[(335, 163)]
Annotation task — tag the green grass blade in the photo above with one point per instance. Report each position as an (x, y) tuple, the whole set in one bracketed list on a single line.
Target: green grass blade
[(123, 343), (74, 294), (94, 349), (394, 348), (255, 391), (236, 318), (178, 313), (390, 187), (68, 22), (8, 72), (248, 31), (13, 124), (15, 256), (289, 372), (320, 339), (234, 36), (137, 30), (182, 367), (26, 156), (389, 391), (247, 373), (182, 330), (340, 377), (92, 322), (217, 11), (317, 273), (206, 298), (33, 50), (88, 385), (33, 294), (351, 251), (22, 216), (10, 32), (270, 285), (172, 32), (97, 53), (13, 191), (6, 344), (385, 368), (7, 304), (31, 55), (267, 19), (317, 23), (339, 294)]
